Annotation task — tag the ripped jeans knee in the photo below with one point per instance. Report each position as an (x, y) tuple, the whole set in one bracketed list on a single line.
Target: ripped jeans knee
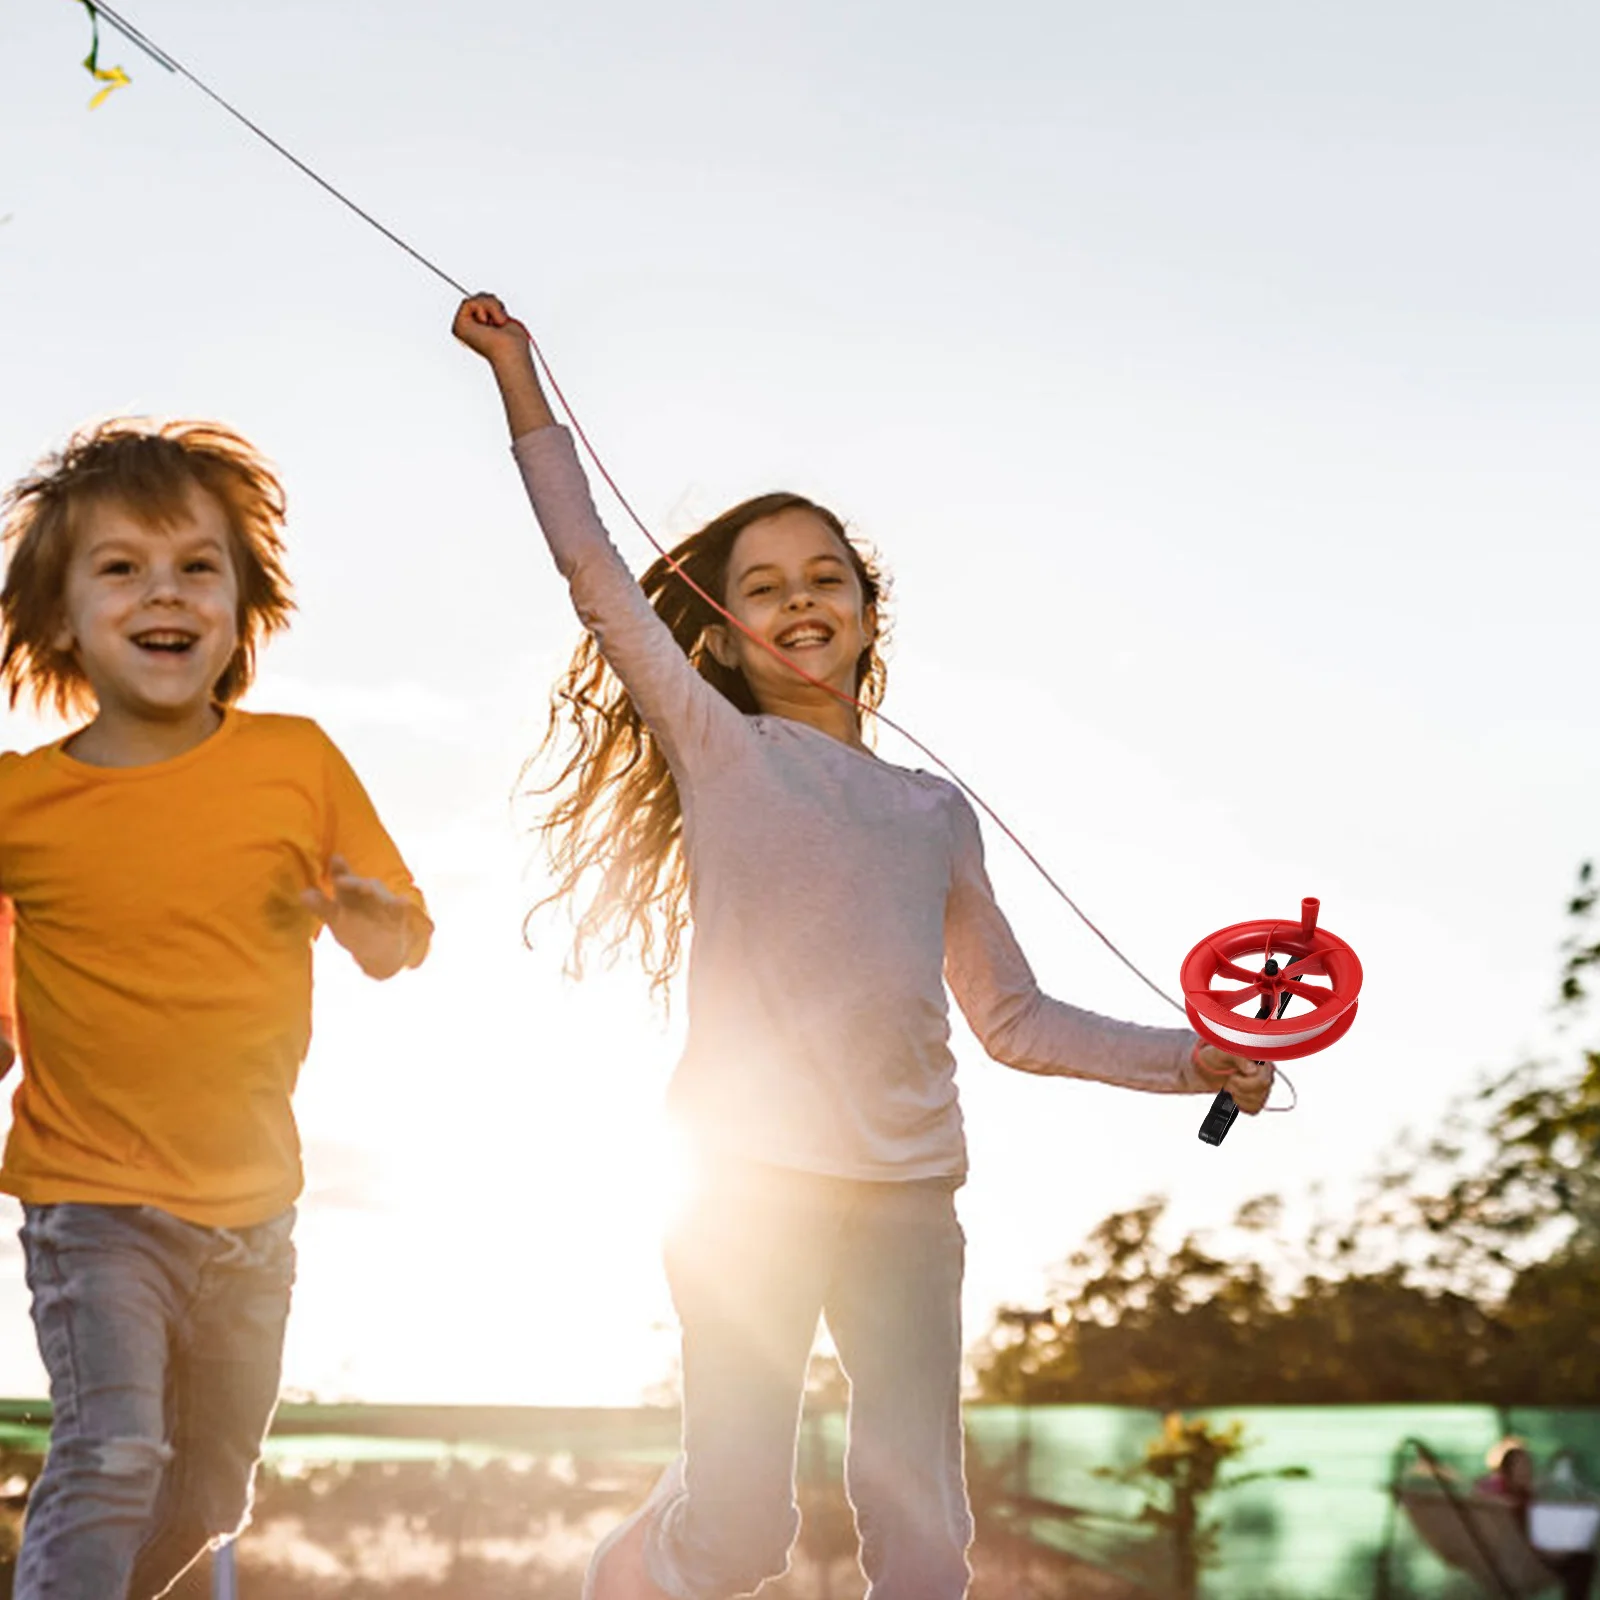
[(88, 1514), (127, 1468)]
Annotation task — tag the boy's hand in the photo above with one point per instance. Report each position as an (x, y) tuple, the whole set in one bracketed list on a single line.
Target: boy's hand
[(1249, 1082), (365, 916), (484, 325)]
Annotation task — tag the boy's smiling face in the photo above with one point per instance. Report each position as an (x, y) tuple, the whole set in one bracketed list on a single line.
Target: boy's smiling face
[(151, 613)]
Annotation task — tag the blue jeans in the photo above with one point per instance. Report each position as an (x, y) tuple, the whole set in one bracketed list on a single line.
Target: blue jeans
[(163, 1341), (758, 1255)]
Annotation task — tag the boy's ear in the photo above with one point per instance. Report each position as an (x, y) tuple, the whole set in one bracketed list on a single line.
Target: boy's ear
[(719, 641)]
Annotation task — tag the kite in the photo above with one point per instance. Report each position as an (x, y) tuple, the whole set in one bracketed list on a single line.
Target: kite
[(113, 78)]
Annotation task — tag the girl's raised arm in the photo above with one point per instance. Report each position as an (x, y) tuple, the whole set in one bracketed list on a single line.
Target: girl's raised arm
[(685, 713)]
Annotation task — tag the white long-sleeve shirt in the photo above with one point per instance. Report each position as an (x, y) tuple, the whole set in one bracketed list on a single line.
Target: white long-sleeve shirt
[(833, 896)]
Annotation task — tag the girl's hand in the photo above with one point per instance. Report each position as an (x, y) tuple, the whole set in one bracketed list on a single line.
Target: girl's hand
[(366, 917), (484, 325), (1249, 1082)]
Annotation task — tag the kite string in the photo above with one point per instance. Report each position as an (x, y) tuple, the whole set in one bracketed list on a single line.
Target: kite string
[(172, 64), (166, 60)]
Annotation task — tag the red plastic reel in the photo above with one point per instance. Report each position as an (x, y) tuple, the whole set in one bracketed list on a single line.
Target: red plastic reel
[(1317, 1013)]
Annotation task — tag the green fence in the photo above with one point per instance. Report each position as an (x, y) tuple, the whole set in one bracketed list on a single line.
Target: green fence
[(1320, 1538), (1034, 1469)]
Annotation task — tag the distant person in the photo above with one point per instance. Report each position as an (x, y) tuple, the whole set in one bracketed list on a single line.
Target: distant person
[(170, 864), (832, 897), (1511, 1478)]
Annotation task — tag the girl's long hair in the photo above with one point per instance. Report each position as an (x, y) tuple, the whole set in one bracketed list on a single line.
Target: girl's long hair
[(613, 832)]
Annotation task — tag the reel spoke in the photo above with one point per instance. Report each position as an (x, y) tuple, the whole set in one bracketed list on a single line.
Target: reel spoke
[(1233, 998), (1317, 996), (1230, 969)]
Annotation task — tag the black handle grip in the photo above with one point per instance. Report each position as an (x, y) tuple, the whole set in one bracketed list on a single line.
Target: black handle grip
[(1219, 1118)]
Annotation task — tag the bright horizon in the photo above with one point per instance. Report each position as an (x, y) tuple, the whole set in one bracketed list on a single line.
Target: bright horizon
[(1219, 391)]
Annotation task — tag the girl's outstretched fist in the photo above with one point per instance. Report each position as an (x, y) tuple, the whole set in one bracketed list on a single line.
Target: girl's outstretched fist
[(483, 324)]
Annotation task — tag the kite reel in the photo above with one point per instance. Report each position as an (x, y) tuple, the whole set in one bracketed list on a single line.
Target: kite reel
[(1301, 981)]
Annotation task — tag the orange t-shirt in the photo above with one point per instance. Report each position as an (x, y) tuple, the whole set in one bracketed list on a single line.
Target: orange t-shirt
[(163, 963)]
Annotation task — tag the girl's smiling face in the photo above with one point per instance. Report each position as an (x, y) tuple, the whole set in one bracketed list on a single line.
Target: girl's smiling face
[(152, 613), (791, 583)]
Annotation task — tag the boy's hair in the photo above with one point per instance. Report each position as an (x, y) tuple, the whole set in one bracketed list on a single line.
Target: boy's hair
[(149, 470)]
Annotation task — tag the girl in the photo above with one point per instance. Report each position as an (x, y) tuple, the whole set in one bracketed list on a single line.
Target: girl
[(832, 897)]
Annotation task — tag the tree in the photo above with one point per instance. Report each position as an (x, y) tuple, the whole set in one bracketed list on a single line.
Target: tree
[(1180, 1470)]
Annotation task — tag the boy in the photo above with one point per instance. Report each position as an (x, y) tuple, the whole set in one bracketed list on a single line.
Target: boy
[(169, 865)]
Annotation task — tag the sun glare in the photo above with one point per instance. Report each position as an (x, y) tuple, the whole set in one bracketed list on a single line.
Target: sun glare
[(487, 1229)]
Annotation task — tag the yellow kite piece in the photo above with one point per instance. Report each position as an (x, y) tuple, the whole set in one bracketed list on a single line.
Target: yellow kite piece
[(111, 77)]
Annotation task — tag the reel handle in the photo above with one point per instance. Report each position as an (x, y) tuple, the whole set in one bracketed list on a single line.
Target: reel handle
[(1219, 1118)]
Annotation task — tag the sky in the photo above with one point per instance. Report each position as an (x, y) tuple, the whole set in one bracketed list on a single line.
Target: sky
[(1218, 384)]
